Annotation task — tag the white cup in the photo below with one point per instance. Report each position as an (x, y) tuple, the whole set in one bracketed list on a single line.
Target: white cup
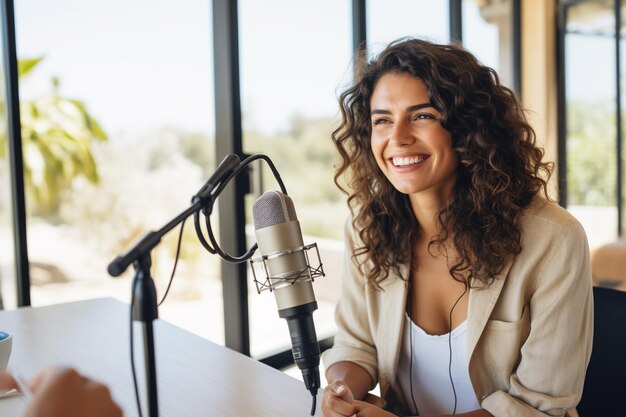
[(6, 342)]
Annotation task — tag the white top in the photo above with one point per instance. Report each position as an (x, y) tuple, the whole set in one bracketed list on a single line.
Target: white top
[(432, 388)]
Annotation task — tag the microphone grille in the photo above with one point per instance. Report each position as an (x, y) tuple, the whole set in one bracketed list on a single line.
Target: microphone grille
[(272, 208)]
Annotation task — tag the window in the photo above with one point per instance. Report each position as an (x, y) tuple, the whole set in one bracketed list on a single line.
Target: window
[(144, 74), (590, 106), (488, 34), (293, 58)]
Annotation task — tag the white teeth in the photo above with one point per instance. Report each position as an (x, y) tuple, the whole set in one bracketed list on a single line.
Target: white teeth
[(405, 161)]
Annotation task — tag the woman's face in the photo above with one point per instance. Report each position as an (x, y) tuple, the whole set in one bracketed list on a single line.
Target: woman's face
[(411, 147)]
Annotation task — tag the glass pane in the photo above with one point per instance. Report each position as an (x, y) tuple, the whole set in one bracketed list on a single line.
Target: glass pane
[(144, 74), (591, 133), (488, 34), (289, 106), (388, 20), (7, 261)]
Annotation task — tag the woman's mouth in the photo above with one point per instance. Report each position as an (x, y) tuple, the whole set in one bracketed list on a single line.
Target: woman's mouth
[(405, 161)]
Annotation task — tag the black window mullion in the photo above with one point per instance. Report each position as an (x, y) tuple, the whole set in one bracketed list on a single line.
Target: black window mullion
[(228, 139), (517, 46), (456, 21), (618, 118), (561, 107), (15, 153), (359, 25)]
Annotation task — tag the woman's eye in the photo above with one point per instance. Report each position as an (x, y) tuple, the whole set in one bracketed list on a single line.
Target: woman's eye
[(424, 116), (379, 121)]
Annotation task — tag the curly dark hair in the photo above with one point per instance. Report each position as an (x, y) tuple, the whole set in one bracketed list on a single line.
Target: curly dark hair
[(499, 172)]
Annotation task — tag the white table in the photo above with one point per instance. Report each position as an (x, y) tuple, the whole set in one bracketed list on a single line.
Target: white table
[(196, 377)]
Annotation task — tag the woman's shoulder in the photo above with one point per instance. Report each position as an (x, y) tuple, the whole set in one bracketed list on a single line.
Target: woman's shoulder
[(543, 219)]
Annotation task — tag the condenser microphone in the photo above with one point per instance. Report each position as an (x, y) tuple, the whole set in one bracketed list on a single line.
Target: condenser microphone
[(279, 239)]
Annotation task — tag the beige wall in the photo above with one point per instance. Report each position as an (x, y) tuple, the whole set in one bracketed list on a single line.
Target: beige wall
[(538, 72)]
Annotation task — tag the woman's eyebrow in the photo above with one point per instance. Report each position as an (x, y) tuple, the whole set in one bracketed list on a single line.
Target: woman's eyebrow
[(420, 106), (409, 109)]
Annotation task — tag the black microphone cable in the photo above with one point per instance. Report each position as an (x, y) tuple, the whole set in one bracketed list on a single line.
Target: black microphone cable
[(450, 348), (132, 308), (132, 359), (169, 284), (212, 248), (410, 303)]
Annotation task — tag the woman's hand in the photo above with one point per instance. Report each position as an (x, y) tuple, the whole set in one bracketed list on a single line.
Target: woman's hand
[(63, 392), (338, 400), (364, 409), (7, 382)]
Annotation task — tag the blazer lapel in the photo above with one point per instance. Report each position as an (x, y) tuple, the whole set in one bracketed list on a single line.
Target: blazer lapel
[(481, 304), (395, 294)]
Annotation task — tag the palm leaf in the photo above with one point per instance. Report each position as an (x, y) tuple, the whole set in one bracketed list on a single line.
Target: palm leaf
[(25, 66), (57, 134)]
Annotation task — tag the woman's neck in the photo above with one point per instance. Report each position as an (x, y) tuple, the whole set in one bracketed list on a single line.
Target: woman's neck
[(426, 209)]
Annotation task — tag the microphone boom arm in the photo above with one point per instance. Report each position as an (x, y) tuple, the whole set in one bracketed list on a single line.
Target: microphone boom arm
[(144, 302), (203, 199), (144, 307)]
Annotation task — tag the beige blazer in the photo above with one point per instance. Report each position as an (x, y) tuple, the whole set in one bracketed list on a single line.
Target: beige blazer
[(529, 333)]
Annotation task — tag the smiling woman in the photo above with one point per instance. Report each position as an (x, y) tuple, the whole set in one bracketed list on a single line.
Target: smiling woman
[(448, 301)]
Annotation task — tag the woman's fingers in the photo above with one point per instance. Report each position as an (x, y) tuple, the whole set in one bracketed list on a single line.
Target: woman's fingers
[(341, 390), (337, 400), (7, 382)]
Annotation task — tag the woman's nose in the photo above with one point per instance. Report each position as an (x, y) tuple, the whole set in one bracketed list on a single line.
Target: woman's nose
[(401, 134)]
